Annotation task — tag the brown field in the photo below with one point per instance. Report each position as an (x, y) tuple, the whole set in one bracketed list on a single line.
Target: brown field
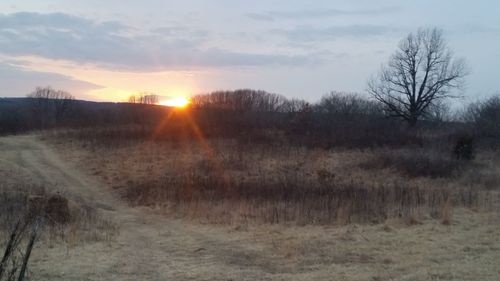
[(151, 221)]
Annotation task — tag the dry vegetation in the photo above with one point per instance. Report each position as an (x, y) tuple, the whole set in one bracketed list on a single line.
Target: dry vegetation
[(235, 193), (33, 215), (432, 240), (62, 221), (273, 212), (225, 181)]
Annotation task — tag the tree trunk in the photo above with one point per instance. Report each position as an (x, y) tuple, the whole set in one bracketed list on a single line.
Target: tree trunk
[(412, 121)]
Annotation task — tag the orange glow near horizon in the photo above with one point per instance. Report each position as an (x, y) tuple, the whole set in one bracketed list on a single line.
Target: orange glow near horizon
[(114, 85), (179, 102)]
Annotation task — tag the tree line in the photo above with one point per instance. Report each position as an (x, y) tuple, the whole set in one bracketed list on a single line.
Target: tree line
[(246, 109)]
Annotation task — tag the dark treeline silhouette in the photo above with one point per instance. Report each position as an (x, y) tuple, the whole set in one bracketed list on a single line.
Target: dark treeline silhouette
[(243, 100), (485, 115), (48, 106), (144, 98), (18, 115), (338, 119)]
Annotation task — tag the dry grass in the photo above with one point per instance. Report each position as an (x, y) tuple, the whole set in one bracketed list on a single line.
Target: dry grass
[(152, 247), (419, 162), (446, 212), (284, 199), (224, 181), (77, 224)]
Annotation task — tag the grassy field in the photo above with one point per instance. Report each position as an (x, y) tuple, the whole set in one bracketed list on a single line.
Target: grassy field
[(197, 196), (313, 214), (226, 210), (223, 181)]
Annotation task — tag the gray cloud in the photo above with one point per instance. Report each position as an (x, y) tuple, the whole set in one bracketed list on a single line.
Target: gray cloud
[(21, 82), (114, 45), (318, 13), (310, 33), (58, 21), (475, 28)]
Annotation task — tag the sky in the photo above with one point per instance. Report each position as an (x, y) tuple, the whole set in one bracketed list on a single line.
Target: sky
[(107, 50)]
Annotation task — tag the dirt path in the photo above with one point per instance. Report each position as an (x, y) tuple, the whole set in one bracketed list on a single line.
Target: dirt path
[(149, 247)]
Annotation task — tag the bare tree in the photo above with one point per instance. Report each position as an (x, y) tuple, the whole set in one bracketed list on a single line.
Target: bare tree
[(144, 98), (420, 73), (148, 98), (346, 104), (132, 99), (485, 116), (243, 100), (49, 105), (438, 112), (294, 106)]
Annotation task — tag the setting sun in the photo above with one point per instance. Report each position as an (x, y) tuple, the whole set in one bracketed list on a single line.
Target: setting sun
[(180, 102)]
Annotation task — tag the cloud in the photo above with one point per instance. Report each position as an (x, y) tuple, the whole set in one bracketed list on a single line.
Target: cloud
[(475, 28), (28, 20), (21, 82), (311, 33), (319, 14), (114, 45)]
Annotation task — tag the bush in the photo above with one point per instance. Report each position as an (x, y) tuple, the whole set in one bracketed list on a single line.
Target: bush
[(57, 210), (61, 221), (485, 116), (464, 147)]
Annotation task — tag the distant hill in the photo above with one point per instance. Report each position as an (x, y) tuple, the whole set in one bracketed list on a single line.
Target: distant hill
[(23, 114)]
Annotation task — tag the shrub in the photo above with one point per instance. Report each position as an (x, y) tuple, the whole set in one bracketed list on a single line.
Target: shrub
[(464, 147), (28, 205), (57, 210)]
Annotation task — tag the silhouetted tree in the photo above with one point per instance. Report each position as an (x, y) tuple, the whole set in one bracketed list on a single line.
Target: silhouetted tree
[(485, 115), (50, 106), (420, 73), (294, 106), (244, 100), (438, 112), (144, 98), (346, 104)]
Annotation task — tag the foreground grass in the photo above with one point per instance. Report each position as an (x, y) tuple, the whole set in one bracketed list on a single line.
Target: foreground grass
[(467, 249), (151, 246), (41, 213)]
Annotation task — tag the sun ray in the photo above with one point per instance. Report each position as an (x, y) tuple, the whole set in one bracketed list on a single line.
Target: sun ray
[(162, 124), (209, 151), (186, 121)]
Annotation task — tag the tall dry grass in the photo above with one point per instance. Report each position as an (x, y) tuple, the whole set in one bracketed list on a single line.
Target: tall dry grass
[(223, 180), (63, 221), (418, 162), (286, 199)]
